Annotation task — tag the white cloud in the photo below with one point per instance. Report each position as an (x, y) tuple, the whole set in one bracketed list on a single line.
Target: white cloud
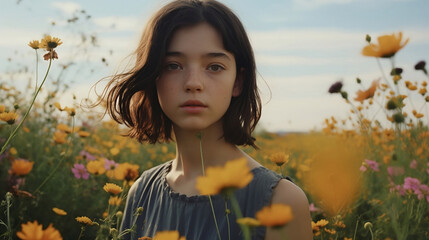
[(120, 23), (305, 39), (67, 8), (311, 4), (324, 39)]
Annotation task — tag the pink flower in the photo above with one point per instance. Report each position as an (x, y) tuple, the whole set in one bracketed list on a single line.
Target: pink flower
[(313, 208), (109, 164), (88, 156), (413, 164), (371, 164), (395, 171), (411, 184), (80, 171)]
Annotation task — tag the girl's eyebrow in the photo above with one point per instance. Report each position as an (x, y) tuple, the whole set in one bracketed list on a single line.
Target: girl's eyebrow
[(207, 55)]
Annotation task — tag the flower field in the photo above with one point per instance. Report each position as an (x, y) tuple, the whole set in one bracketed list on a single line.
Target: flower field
[(65, 170)]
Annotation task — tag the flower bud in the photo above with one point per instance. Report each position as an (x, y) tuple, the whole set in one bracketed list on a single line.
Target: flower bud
[(398, 118), (367, 225), (368, 38), (139, 210), (391, 105)]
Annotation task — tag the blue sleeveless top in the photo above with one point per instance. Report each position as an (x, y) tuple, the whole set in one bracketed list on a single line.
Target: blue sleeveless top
[(166, 210)]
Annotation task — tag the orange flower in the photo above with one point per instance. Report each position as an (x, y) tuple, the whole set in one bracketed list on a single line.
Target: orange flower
[(275, 215), (251, 222), (64, 128), (279, 158), (369, 93), (50, 233), (30, 231), (60, 137), (83, 134), (126, 171), (115, 201), (112, 188), (388, 46), (21, 167), (59, 211), (84, 220), (235, 174), (9, 117), (34, 231), (96, 167), (168, 235)]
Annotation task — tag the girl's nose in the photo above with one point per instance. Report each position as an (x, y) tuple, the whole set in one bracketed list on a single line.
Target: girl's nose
[(194, 81)]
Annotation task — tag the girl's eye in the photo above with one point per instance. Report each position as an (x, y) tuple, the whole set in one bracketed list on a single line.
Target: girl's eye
[(216, 68), (172, 66)]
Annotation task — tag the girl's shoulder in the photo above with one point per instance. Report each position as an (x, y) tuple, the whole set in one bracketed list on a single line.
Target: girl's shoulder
[(150, 177)]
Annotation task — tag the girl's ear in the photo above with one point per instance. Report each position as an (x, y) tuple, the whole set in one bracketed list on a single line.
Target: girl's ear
[(238, 84)]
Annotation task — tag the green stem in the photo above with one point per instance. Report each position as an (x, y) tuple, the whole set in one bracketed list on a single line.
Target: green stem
[(8, 204), (81, 232), (237, 211), (227, 211), (63, 157), (372, 234), (281, 171), (37, 70), (354, 234), (200, 135), (28, 110)]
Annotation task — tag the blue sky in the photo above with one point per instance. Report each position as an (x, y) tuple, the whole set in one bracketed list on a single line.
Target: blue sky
[(301, 46)]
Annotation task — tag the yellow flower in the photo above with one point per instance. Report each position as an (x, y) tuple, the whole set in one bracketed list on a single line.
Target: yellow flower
[(70, 110), (275, 215), (417, 114), (115, 201), (235, 174), (112, 188), (83, 134), (279, 158), (369, 93), (330, 231), (58, 106), (2, 108), (34, 231), (30, 231), (168, 235), (9, 117), (60, 137), (13, 151), (49, 43), (126, 171), (248, 221), (144, 238), (114, 151), (322, 223), (59, 211), (35, 44), (96, 167), (50, 233), (388, 46), (64, 128), (21, 167), (84, 220)]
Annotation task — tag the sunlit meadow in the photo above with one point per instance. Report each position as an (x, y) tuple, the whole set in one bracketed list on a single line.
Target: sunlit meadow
[(65, 170)]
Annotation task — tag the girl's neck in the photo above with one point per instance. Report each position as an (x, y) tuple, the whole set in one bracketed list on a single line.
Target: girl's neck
[(215, 151)]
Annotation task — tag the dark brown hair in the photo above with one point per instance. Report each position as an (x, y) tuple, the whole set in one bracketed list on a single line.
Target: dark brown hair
[(132, 97)]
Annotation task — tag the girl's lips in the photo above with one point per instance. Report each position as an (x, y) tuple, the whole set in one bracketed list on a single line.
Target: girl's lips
[(193, 106), (193, 103)]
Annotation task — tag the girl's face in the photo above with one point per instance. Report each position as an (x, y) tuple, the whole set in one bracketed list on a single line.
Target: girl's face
[(198, 80)]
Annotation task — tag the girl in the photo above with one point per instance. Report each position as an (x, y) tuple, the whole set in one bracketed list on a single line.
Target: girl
[(195, 76)]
